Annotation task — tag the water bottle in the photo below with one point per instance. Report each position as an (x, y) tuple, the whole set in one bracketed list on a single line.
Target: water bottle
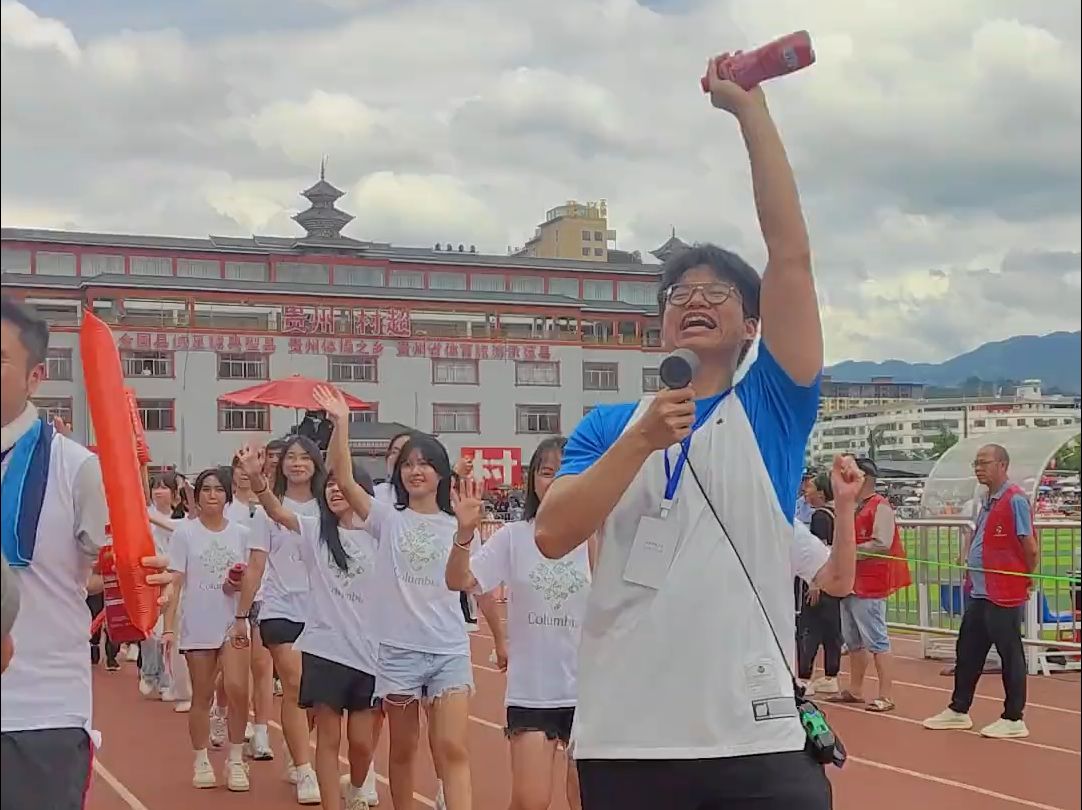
[(778, 58)]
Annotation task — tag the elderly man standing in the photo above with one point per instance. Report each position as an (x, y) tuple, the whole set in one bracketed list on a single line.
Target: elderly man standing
[(1002, 553)]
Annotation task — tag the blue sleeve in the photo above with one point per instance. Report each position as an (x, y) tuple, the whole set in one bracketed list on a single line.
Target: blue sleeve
[(1023, 518), (782, 414), (594, 435)]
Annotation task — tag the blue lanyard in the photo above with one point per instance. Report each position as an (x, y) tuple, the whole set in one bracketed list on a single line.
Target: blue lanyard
[(672, 475)]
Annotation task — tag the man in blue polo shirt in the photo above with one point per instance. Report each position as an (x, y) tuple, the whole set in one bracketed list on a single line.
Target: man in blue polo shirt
[(686, 697)]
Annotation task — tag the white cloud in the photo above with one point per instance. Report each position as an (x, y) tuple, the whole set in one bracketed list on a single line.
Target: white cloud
[(937, 144)]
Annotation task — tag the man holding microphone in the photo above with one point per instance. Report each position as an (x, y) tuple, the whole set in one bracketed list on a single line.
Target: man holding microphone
[(686, 695)]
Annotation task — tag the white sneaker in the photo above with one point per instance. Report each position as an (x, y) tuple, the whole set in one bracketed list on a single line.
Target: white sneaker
[(258, 748), (368, 789), (291, 770), (441, 803), (203, 776), (146, 688), (183, 706), (826, 686), (307, 787), (809, 688), (949, 719), (236, 778), (218, 729), (249, 730), (1005, 729)]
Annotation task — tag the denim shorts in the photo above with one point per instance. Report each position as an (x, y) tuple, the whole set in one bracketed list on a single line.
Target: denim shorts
[(421, 674), (864, 624)]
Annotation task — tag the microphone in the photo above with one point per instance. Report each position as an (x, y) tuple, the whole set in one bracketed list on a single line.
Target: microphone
[(678, 368)]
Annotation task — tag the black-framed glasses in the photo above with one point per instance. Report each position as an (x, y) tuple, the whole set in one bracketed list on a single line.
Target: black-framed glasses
[(713, 292)]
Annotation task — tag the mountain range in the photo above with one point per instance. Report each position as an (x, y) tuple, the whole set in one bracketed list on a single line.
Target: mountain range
[(1055, 359)]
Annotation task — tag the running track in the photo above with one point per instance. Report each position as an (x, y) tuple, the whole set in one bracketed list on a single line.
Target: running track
[(894, 764)]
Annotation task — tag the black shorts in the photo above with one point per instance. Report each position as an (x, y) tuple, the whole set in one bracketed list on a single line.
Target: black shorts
[(790, 780), (554, 722), (328, 683), (46, 768), (279, 631)]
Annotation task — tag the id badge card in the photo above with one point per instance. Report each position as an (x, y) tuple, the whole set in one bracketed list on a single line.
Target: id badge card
[(652, 552)]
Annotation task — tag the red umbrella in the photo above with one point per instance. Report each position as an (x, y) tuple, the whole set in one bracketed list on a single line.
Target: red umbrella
[(292, 392)]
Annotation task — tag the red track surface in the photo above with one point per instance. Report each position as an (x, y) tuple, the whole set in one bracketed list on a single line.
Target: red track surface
[(145, 762)]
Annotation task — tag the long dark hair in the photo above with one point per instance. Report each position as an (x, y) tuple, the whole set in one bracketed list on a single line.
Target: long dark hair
[(319, 477), (435, 454), (328, 521), (554, 444)]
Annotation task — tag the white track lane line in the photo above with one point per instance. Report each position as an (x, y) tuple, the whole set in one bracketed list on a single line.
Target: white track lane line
[(119, 788)]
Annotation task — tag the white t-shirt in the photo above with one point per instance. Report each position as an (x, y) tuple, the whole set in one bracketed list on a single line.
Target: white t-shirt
[(339, 623), (205, 557), (414, 608), (242, 513), (808, 553), (284, 589), (384, 492), (162, 537), (545, 611)]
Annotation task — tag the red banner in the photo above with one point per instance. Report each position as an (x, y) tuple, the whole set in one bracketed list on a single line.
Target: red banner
[(496, 466)]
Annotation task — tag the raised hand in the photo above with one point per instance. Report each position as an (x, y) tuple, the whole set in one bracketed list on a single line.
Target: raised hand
[(464, 467), (846, 479), (669, 418), (251, 460), (331, 400), (725, 94), (61, 427), (467, 505)]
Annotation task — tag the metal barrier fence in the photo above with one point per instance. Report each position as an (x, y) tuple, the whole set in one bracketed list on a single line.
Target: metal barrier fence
[(932, 606)]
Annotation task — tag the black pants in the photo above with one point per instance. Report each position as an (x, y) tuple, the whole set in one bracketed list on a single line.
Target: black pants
[(983, 625), (47, 769), (819, 624), (96, 604), (784, 781), (464, 602)]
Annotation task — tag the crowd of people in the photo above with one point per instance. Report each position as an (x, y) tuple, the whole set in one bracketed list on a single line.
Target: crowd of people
[(286, 569)]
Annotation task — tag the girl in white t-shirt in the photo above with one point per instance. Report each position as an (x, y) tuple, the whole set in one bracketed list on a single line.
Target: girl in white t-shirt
[(545, 612), (424, 650), (276, 571), (383, 490), (245, 509), (338, 651), (201, 553)]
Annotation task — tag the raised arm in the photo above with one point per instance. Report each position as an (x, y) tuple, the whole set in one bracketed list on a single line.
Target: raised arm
[(788, 305), (338, 455), (836, 576), (466, 502), (252, 461)]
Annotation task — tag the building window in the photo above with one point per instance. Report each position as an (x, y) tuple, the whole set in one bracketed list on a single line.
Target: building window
[(599, 251), (585, 236), (358, 276), (302, 272), (537, 372), (246, 271), (597, 290), (598, 236), (55, 264), (485, 282), (53, 407), (446, 281), (366, 417), (978, 423), (58, 364), (411, 279), (568, 287), (637, 292), (349, 368), (600, 377), (1002, 423), (243, 366), (651, 382), (456, 418), (14, 261), (147, 364), (198, 268), (254, 418), (537, 418), (151, 266), (455, 372), (586, 251), (97, 264), (528, 284), (157, 414)]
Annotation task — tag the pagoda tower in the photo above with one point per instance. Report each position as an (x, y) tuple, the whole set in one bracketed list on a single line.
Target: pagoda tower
[(322, 220)]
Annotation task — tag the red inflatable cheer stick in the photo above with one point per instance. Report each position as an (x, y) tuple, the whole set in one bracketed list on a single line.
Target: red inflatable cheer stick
[(115, 439), (777, 58)]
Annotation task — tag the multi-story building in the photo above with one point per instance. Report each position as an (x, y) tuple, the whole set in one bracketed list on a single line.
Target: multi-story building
[(911, 429), (491, 353), (577, 231), (838, 395)]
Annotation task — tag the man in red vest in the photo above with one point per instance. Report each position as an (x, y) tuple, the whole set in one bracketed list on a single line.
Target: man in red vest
[(1003, 551), (881, 570)]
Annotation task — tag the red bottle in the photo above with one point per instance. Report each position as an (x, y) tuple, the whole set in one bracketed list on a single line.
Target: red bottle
[(778, 58), (234, 577)]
